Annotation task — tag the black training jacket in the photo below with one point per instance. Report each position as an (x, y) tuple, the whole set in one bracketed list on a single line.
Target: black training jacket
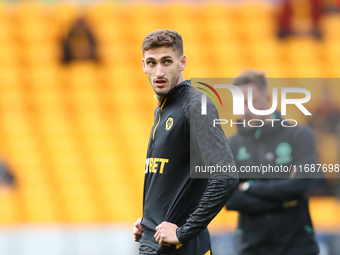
[(180, 134), (266, 224)]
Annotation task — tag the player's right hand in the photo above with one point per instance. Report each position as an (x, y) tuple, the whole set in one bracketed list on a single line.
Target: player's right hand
[(137, 229)]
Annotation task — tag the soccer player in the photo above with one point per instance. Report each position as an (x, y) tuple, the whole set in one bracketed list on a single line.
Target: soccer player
[(273, 213), (177, 208)]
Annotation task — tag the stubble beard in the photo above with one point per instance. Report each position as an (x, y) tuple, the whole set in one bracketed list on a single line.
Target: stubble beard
[(162, 92)]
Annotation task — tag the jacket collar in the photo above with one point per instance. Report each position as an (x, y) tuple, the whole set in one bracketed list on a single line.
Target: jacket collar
[(173, 93)]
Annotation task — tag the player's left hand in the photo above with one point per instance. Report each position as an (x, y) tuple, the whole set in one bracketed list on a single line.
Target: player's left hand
[(166, 234)]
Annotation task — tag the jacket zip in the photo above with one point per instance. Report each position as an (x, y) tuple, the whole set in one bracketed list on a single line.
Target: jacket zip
[(159, 119)]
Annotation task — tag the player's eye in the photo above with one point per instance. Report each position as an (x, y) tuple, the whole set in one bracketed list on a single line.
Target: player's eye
[(167, 62), (151, 63)]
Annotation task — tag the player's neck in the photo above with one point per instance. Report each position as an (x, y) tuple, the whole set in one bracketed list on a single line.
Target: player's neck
[(159, 99)]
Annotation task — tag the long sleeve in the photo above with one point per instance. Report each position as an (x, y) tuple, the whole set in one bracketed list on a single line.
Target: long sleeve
[(247, 203), (211, 144), (280, 190)]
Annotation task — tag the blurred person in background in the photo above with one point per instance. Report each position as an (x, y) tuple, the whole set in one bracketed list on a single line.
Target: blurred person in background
[(273, 213), (326, 121), (177, 208), (80, 43), (287, 15), (6, 177), (332, 6)]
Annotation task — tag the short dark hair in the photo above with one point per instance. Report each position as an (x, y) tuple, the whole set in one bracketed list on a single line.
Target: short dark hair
[(163, 38), (252, 76)]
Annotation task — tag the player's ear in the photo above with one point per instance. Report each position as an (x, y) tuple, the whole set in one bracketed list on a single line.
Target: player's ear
[(268, 98), (183, 62), (143, 63)]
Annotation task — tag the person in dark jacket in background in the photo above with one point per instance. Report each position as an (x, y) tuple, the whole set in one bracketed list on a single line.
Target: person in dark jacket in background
[(7, 179), (80, 43), (273, 212)]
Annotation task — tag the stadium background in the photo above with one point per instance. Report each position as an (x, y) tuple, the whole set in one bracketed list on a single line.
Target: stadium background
[(75, 135)]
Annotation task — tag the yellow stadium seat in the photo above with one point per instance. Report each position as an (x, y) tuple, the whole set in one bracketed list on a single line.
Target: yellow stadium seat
[(34, 33), (64, 14), (81, 75), (30, 172), (324, 211), (330, 25), (29, 11), (332, 51), (44, 78), (101, 12), (328, 151), (41, 210), (302, 50), (5, 34), (42, 55), (107, 33), (9, 211), (8, 56), (79, 202), (80, 210)]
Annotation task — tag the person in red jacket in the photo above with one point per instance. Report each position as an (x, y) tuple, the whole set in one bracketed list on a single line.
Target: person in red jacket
[(286, 15)]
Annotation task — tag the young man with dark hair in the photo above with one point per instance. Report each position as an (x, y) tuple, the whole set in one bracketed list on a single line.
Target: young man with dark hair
[(177, 208), (273, 213)]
